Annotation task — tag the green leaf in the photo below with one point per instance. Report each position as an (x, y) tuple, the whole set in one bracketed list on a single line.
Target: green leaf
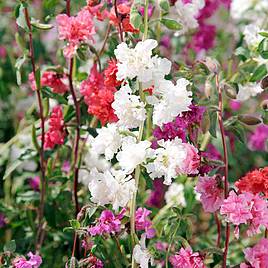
[(10, 246), (20, 17), (73, 263), (213, 250), (135, 18), (171, 24), (164, 4), (242, 53), (264, 34), (259, 73), (49, 94), (41, 26), (19, 63), (34, 139), (239, 132), (14, 165), (90, 212), (263, 48), (213, 124), (75, 224)]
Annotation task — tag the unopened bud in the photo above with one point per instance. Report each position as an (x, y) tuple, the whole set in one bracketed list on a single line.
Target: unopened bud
[(264, 105), (249, 119), (229, 90), (212, 64), (264, 82)]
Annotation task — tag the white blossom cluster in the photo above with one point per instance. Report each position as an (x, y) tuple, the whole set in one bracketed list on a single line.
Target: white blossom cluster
[(120, 142)]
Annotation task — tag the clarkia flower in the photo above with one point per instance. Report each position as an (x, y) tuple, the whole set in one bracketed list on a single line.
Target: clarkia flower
[(35, 183), (34, 261), (143, 222), (156, 197), (258, 140)]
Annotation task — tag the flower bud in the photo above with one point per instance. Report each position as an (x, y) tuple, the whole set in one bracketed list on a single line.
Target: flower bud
[(249, 119), (212, 64), (229, 90), (264, 82), (264, 105)]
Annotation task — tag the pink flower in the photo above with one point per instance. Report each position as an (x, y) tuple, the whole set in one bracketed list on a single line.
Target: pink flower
[(186, 258), (191, 164), (66, 167), (142, 222), (107, 223), (55, 134), (34, 261), (235, 105), (257, 256), (258, 140), (212, 193), (35, 183), (57, 82), (75, 30)]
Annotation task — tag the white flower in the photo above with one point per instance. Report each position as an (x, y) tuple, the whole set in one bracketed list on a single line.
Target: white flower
[(111, 187), (108, 141), (140, 253), (170, 100), (138, 62), (129, 109), (252, 37), (167, 160), (187, 14), (175, 194), (132, 154), (248, 90)]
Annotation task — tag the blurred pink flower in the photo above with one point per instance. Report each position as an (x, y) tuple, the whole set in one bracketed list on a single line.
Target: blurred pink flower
[(258, 140), (33, 262), (212, 193), (142, 222), (35, 183)]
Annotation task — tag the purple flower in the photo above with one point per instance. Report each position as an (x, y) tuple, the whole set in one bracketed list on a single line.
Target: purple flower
[(150, 10), (66, 167), (156, 197), (258, 140), (165, 41), (142, 222), (107, 223), (2, 220), (33, 262), (235, 105), (35, 183)]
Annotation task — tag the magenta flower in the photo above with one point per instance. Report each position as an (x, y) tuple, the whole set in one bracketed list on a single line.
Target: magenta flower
[(235, 105), (186, 258), (142, 222), (2, 220), (108, 223), (257, 256), (66, 167), (35, 183), (156, 197), (258, 140), (212, 193), (33, 262), (75, 30)]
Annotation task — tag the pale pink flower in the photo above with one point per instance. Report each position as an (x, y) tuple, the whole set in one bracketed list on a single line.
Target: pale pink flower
[(75, 30), (257, 256), (186, 258), (212, 193)]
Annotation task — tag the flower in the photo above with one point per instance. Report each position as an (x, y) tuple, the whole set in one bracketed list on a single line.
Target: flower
[(75, 30), (255, 182), (98, 96), (110, 74), (141, 255), (132, 154), (142, 222), (186, 258), (129, 109), (191, 163), (35, 183), (187, 13), (55, 134), (251, 35), (157, 194), (257, 256), (166, 160), (111, 187), (34, 261), (212, 193), (257, 140), (108, 141), (247, 91), (107, 223), (175, 194), (2, 220), (57, 82), (170, 100)]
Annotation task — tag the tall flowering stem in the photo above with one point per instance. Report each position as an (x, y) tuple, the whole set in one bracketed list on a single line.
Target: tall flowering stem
[(77, 135), (119, 21), (225, 158), (42, 119)]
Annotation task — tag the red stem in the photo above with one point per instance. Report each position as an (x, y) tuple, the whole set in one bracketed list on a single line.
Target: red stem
[(119, 21), (226, 184), (42, 119), (218, 229)]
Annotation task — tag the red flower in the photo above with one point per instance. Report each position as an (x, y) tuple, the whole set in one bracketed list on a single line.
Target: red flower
[(99, 97), (110, 74), (255, 182)]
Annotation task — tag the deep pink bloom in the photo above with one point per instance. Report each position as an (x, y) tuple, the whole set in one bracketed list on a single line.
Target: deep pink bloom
[(33, 262), (99, 97), (165, 41), (235, 105), (192, 161), (107, 223), (35, 183), (110, 74), (157, 194), (75, 30), (161, 246), (55, 134), (66, 167), (186, 258), (212, 193), (150, 10), (259, 138), (2, 220), (257, 256), (142, 222), (97, 9), (3, 52)]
